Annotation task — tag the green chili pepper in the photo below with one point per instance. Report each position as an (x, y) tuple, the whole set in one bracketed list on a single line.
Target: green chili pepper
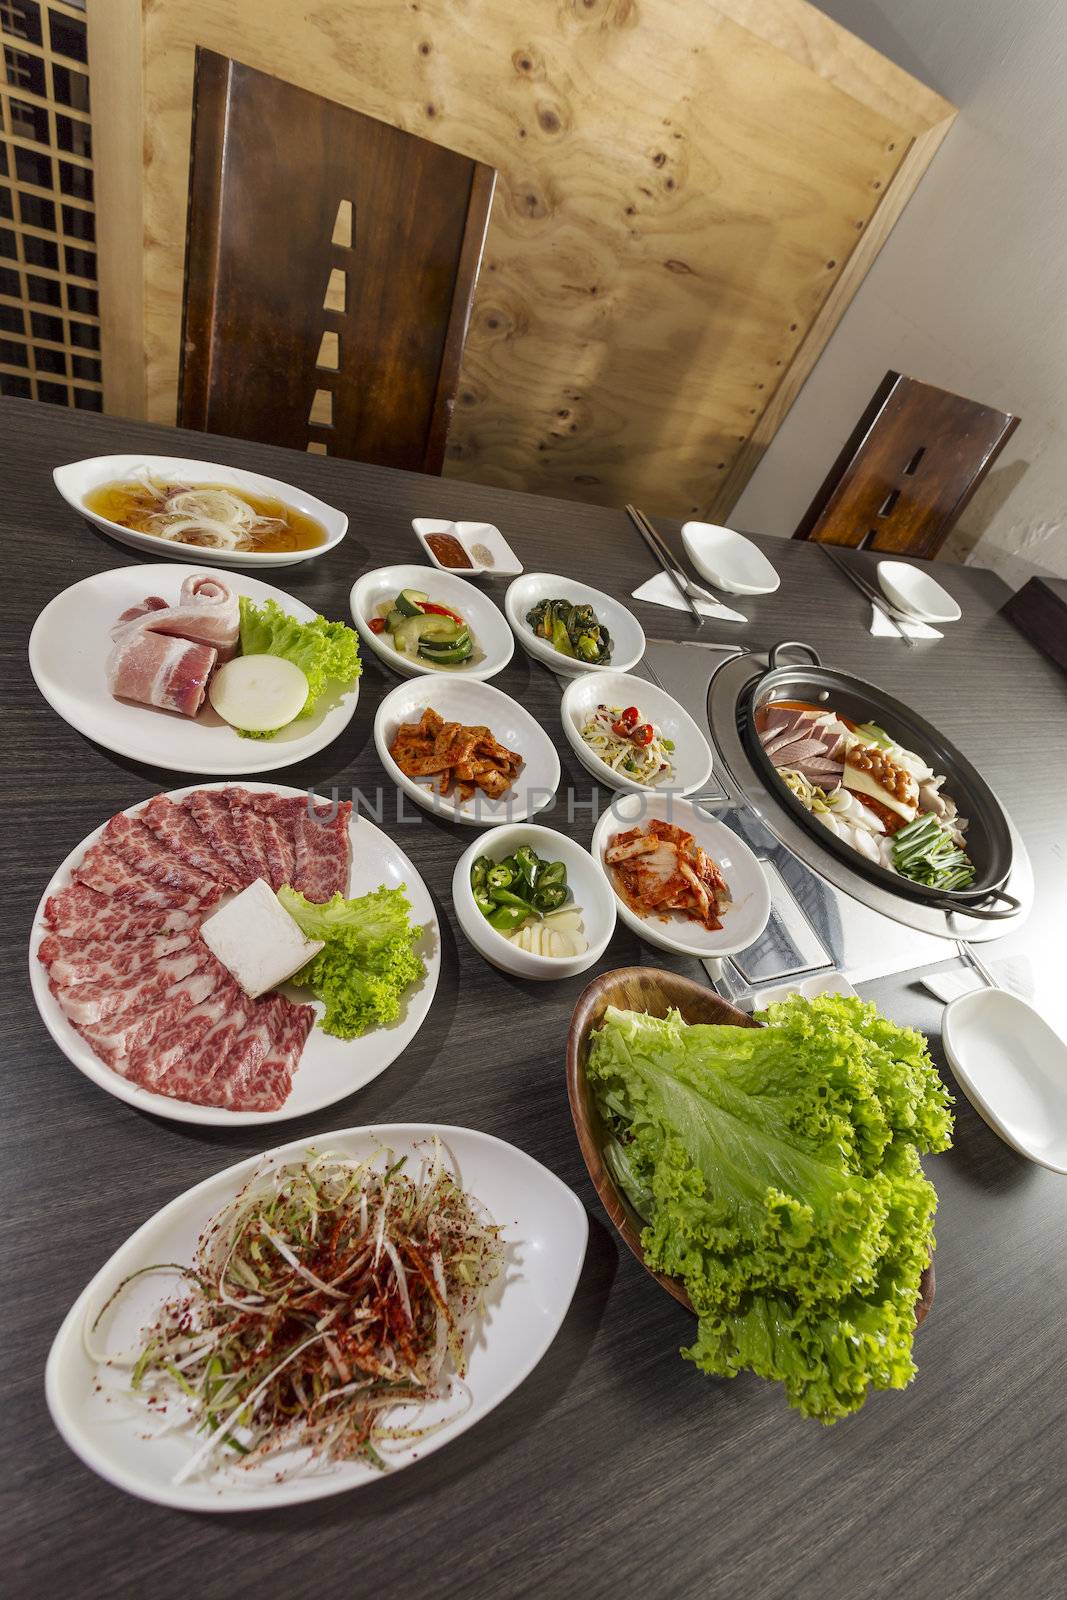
[(504, 897), (550, 899), (484, 902), (505, 918), (500, 877)]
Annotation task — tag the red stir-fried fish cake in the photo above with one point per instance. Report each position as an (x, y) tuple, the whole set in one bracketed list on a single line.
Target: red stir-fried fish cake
[(129, 969), (661, 868)]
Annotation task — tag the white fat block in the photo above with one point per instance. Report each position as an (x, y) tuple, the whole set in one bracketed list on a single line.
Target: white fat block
[(257, 940)]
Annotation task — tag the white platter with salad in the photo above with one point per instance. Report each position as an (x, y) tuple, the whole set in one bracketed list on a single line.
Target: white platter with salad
[(498, 1224), (143, 659), (633, 736), (422, 620), (178, 509), (110, 972)]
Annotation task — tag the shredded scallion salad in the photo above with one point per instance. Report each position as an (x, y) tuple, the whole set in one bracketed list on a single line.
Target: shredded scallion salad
[(630, 746), (324, 1294)]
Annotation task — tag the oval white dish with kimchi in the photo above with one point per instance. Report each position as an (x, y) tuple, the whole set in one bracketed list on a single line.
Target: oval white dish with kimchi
[(234, 953), (307, 1319), (682, 879), (199, 672), (875, 795)]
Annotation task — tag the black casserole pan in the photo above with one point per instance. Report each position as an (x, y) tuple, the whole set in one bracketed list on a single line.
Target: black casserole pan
[(988, 836)]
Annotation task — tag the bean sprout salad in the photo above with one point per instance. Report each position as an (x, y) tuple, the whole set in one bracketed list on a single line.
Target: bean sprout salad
[(325, 1294), (633, 748)]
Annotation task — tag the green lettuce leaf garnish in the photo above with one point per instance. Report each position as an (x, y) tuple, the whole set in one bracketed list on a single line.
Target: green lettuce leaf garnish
[(327, 653), (777, 1171), (368, 959)]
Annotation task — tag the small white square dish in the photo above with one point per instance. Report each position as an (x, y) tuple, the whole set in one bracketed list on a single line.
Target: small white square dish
[(487, 552)]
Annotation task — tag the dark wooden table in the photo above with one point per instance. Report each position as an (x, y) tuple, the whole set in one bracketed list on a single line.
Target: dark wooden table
[(616, 1467)]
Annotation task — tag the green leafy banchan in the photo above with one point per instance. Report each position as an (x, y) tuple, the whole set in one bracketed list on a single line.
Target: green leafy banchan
[(367, 961), (777, 1172), (326, 652)]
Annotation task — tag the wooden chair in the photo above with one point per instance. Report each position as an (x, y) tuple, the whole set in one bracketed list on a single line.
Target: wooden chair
[(908, 470), (330, 266)]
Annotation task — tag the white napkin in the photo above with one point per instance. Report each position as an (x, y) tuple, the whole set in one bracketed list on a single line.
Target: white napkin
[(1013, 975), (882, 628), (660, 591)]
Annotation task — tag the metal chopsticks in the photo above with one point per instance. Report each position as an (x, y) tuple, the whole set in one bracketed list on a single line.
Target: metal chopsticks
[(871, 594), (665, 559)]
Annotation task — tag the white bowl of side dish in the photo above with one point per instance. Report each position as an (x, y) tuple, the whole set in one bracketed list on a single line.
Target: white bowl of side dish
[(691, 757), (77, 479), (914, 591), (472, 704), (743, 919), (1012, 1066), (728, 560), (627, 635), (494, 645), (589, 893)]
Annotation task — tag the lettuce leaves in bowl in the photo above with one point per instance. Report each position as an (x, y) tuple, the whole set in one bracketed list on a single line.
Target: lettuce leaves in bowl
[(777, 1171), (327, 653)]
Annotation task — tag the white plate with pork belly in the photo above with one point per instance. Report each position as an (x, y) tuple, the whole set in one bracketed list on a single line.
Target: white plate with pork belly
[(160, 1024), (69, 653)]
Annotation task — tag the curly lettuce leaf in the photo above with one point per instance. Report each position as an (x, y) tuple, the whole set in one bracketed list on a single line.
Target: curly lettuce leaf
[(327, 653), (777, 1171), (368, 960)]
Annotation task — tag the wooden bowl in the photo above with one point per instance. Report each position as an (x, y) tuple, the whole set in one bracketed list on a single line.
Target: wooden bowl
[(647, 989)]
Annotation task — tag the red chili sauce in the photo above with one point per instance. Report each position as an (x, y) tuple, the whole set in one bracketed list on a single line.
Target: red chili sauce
[(448, 550)]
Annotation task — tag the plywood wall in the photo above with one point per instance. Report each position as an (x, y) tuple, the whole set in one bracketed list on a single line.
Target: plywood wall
[(689, 193)]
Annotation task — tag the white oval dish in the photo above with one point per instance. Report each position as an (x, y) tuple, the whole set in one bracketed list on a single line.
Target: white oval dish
[(491, 633), (505, 563), (914, 591), (68, 654), (330, 1069), (474, 704), (743, 920), (544, 1226), (588, 890), (691, 757), (78, 478), (627, 635), (1012, 1066), (728, 560)]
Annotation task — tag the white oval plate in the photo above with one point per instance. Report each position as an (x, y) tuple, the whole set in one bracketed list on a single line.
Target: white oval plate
[(1012, 1066), (491, 633), (330, 1069), (914, 591), (691, 757), (505, 563), (728, 560), (78, 478), (544, 1226), (627, 635), (68, 654), (474, 704), (750, 908)]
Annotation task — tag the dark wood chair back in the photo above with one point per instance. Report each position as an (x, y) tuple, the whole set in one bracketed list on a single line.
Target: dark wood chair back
[(330, 266), (909, 468)]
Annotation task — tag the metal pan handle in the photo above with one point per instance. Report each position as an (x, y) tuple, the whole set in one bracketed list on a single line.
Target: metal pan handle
[(791, 644), (988, 913)]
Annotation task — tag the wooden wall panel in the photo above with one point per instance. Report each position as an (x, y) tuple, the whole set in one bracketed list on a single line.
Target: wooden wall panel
[(689, 193)]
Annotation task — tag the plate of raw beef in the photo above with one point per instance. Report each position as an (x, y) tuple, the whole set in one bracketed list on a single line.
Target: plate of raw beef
[(132, 995), (71, 647)]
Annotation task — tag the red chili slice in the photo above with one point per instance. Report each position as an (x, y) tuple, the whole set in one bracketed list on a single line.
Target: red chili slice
[(431, 609), (377, 624)]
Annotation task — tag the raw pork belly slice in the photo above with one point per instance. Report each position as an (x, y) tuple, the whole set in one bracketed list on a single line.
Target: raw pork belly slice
[(176, 827), (211, 812), (97, 960), (159, 671), (111, 874), (322, 852), (208, 613), (138, 845)]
